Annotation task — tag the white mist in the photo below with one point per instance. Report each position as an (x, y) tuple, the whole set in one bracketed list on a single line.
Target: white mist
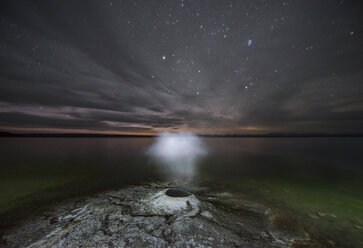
[(177, 153)]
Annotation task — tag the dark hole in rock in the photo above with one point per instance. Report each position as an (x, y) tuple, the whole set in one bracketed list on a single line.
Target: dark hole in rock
[(177, 193)]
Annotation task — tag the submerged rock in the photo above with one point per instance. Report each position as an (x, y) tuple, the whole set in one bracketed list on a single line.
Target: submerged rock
[(149, 216)]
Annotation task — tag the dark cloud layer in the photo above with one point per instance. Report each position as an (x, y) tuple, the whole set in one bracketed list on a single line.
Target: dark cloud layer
[(204, 66)]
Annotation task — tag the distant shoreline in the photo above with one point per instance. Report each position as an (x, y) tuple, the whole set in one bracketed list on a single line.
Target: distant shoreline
[(88, 135)]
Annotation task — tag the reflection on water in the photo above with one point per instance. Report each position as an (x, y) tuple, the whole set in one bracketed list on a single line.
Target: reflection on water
[(321, 159), (319, 180)]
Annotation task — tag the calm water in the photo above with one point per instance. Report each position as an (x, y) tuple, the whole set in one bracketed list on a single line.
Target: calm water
[(316, 180)]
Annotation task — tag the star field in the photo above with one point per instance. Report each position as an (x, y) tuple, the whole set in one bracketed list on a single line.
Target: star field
[(202, 66)]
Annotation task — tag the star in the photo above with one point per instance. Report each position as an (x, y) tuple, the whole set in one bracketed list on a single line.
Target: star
[(151, 56)]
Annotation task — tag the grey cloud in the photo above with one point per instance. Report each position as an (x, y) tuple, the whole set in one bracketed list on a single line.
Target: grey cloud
[(101, 66)]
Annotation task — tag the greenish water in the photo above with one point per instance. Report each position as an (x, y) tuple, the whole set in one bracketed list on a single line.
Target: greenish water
[(316, 183)]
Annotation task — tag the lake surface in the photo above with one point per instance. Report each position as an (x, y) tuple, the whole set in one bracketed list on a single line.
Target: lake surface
[(315, 182)]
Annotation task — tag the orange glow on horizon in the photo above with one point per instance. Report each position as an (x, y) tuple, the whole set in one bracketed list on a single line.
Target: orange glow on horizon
[(204, 130)]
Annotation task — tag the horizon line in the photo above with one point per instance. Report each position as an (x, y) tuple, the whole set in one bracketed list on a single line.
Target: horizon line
[(228, 135)]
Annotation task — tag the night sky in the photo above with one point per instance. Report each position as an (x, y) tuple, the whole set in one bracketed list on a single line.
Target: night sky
[(209, 67)]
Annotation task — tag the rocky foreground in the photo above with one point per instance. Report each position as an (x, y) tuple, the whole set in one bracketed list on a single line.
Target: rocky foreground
[(144, 216)]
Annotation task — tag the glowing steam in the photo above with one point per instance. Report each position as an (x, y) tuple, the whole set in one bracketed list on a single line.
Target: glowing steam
[(177, 153)]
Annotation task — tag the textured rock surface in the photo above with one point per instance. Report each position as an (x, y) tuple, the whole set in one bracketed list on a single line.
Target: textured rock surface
[(143, 216)]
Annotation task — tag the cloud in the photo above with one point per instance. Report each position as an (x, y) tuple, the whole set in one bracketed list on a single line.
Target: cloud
[(65, 65)]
